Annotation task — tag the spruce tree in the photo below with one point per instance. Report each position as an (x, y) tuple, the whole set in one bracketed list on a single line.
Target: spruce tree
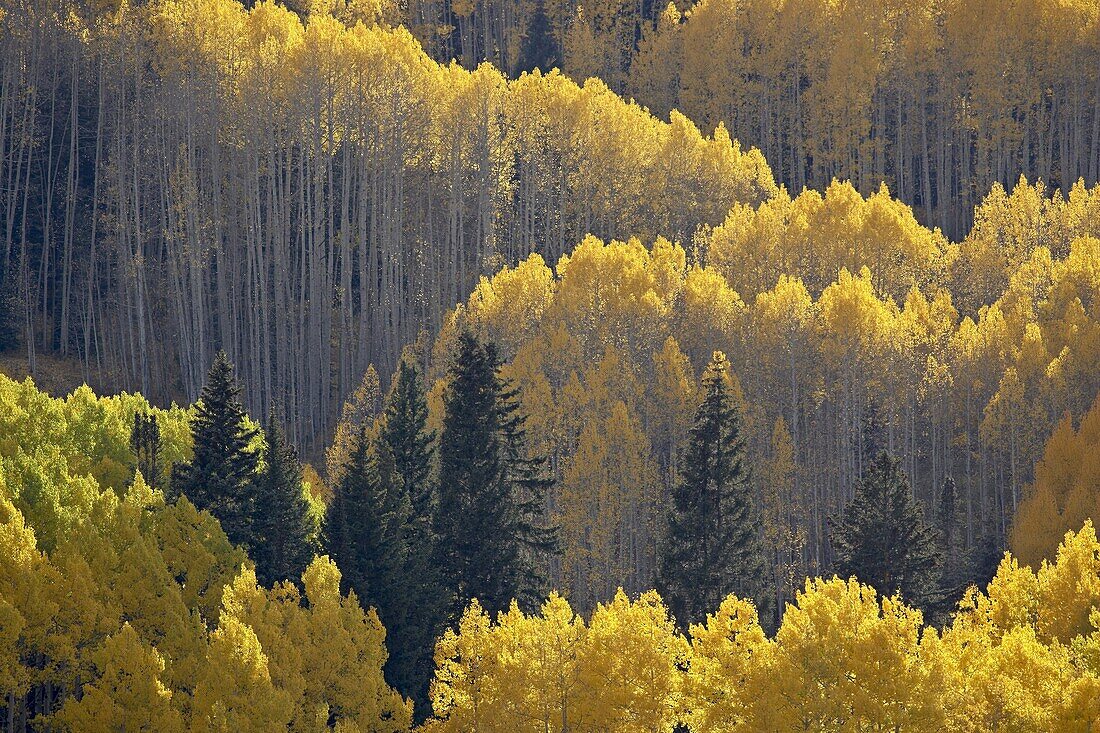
[(955, 571), (403, 429), (146, 447), (713, 546), (537, 49), (282, 527), (988, 548), (529, 480), (883, 539), (490, 545), (220, 477), (985, 557), (364, 529)]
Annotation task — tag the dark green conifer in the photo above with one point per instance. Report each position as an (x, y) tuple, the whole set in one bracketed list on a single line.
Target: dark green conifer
[(984, 557), (491, 544), (988, 548), (538, 50), (405, 431), (364, 529), (530, 482), (883, 539), (713, 547), (220, 477), (955, 570), (282, 527), (403, 428)]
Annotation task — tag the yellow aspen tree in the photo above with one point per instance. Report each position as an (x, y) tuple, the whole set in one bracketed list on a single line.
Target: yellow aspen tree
[(1013, 597), (715, 311), (510, 306), (343, 652), (670, 410), (655, 68), (198, 554), (1079, 709), (631, 679), (51, 499), (466, 689), (128, 694), (274, 616), (784, 514), (729, 655), (843, 659), (359, 409), (617, 293), (783, 322), (1012, 684), (235, 692), (539, 667), (1064, 492), (1009, 426), (1069, 587), (26, 609), (316, 486), (113, 568), (527, 371), (752, 247), (612, 499), (1036, 525)]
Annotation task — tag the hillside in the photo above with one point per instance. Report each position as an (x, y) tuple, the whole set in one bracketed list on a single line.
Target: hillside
[(319, 195), (940, 100), (750, 384), (323, 191), (121, 611), (608, 348)]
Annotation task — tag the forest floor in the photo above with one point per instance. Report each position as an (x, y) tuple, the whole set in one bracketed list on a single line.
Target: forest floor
[(53, 375)]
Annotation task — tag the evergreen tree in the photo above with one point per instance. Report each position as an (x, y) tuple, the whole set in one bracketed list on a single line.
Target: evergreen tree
[(403, 429), (220, 477), (955, 571), (871, 436), (537, 49), (883, 539), (281, 525), (491, 494), (713, 546), (529, 480), (364, 529), (146, 446)]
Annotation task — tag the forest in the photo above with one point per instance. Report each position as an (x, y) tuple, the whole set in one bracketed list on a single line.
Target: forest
[(537, 366), (123, 606)]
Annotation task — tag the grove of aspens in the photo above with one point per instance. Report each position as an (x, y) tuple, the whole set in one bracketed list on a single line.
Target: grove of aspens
[(539, 366)]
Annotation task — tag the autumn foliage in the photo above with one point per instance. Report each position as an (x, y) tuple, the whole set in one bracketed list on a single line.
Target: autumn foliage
[(120, 610), (900, 348), (1019, 656), (867, 231)]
